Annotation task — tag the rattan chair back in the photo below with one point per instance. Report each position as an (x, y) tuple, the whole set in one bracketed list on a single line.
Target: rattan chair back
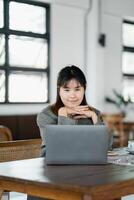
[(5, 134), (19, 149)]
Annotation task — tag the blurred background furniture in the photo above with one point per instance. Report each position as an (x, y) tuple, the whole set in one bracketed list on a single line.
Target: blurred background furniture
[(115, 124), (23, 127), (128, 128), (5, 134)]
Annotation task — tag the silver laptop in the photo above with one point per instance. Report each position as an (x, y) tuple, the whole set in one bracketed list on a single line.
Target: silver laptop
[(81, 144)]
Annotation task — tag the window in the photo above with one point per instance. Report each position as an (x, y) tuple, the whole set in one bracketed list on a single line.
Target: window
[(128, 59), (24, 51)]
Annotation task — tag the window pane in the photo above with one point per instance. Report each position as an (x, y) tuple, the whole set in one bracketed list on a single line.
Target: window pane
[(26, 17), (128, 88), (1, 13), (2, 49), (128, 63), (27, 87), (27, 52), (128, 34), (2, 86)]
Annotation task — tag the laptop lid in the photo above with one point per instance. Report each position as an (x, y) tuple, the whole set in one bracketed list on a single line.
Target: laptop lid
[(81, 144)]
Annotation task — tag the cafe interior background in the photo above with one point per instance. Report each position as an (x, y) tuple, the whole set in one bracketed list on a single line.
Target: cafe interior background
[(39, 37), (90, 34)]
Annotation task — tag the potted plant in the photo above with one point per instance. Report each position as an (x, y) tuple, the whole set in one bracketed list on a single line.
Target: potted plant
[(119, 101)]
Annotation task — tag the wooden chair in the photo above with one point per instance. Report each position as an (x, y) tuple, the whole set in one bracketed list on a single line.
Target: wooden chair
[(114, 122), (5, 134), (19, 149)]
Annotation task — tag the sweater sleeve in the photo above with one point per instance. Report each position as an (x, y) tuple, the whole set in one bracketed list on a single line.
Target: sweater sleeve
[(101, 122), (100, 119), (42, 120)]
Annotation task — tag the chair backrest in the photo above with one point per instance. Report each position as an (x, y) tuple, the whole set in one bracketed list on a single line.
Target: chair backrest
[(5, 134), (114, 122), (19, 149)]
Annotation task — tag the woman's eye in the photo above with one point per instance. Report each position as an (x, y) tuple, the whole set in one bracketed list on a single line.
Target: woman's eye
[(67, 90), (77, 89)]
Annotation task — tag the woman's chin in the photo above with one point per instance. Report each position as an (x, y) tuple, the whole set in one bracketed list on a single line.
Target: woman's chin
[(72, 105)]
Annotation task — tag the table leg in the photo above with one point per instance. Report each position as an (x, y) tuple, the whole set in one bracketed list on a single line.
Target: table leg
[(1, 192)]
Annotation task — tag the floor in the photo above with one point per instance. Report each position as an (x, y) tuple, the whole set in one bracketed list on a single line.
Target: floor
[(130, 197), (17, 196), (20, 196), (14, 196)]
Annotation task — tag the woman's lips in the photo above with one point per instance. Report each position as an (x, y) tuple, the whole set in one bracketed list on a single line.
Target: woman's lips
[(73, 101)]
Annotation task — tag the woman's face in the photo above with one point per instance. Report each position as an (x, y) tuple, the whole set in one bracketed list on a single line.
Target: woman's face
[(72, 94)]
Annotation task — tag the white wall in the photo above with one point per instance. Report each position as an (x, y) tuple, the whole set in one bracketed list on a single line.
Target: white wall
[(75, 28), (67, 46), (94, 68), (112, 14), (67, 36)]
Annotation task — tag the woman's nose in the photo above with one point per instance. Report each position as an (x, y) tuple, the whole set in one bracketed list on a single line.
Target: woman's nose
[(72, 95)]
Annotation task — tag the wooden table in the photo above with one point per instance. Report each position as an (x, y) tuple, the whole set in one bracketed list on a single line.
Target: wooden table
[(100, 182)]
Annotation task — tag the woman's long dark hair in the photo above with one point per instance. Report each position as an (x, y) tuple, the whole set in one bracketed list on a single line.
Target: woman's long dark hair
[(65, 75)]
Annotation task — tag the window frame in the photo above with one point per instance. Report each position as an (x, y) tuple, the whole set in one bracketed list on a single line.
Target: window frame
[(129, 50), (7, 32)]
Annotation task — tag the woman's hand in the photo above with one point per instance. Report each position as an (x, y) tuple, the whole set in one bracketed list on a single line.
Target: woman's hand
[(67, 112), (78, 113), (85, 112)]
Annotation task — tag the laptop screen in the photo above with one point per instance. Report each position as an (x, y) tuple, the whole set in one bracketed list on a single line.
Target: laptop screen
[(80, 144)]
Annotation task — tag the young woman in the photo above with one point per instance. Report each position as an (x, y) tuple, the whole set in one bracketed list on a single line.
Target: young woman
[(70, 106)]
